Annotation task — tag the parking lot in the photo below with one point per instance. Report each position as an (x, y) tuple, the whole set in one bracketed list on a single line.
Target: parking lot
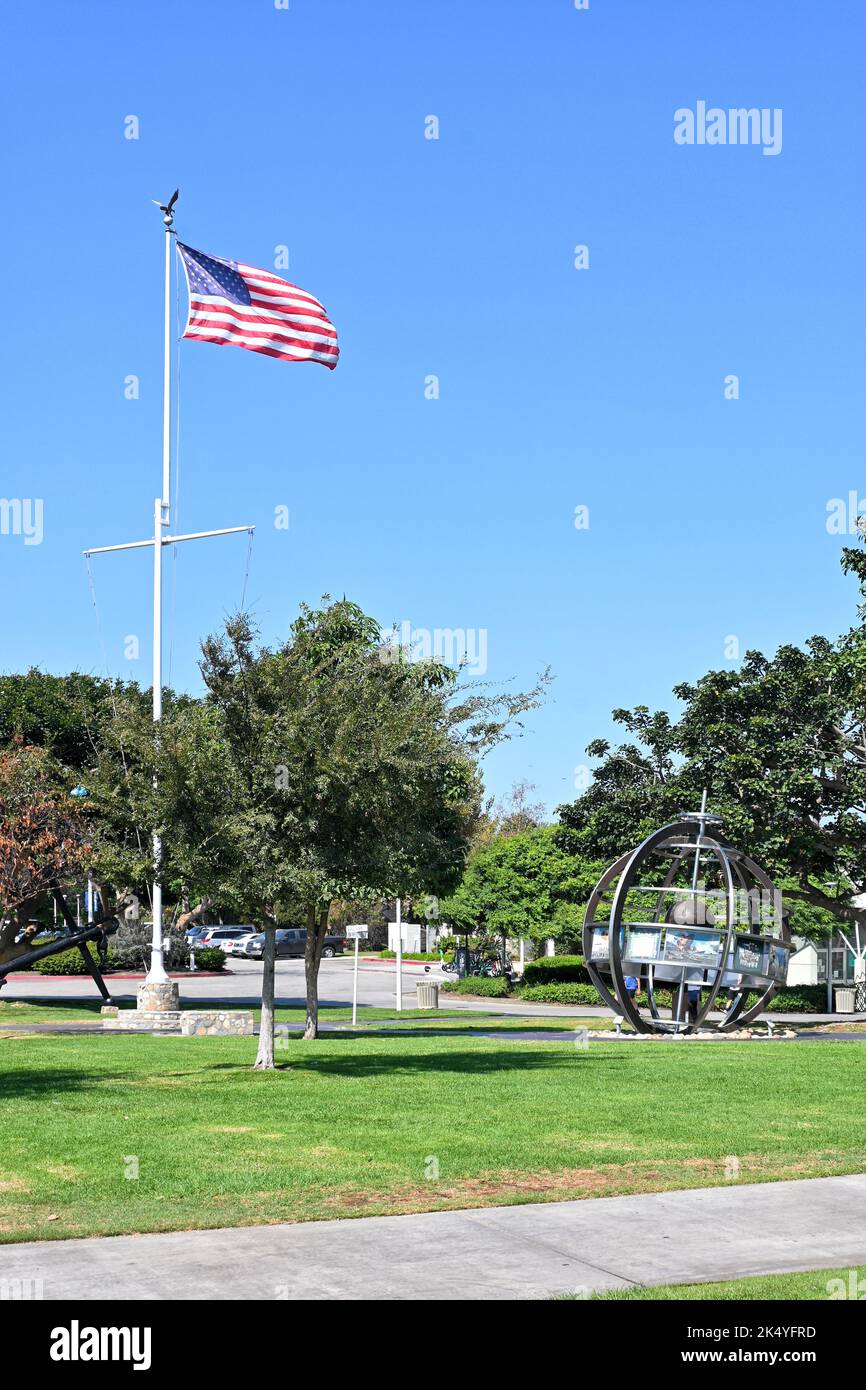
[(242, 981)]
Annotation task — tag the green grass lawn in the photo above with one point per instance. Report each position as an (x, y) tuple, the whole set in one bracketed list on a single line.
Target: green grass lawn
[(87, 1011), (356, 1125), (812, 1284)]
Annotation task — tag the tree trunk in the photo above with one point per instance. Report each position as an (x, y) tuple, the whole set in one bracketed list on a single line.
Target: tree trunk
[(11, 925), (193, 915), (317, 930), (265, 1058)]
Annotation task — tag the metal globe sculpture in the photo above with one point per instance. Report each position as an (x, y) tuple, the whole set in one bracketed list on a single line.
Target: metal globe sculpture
[(686, 912)]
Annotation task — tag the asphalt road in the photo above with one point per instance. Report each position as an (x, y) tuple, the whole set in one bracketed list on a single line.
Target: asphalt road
[(377, 983)]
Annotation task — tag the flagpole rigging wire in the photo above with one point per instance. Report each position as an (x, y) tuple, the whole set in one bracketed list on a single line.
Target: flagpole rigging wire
[(247, 570)]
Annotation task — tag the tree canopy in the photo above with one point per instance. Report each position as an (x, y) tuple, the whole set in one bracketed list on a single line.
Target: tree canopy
[(330, 767), (529, 884), (779, 744)]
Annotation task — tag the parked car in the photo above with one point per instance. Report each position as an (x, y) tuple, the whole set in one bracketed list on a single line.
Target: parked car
[(292, 941), (220, 936), (196, 933), (236, 946)]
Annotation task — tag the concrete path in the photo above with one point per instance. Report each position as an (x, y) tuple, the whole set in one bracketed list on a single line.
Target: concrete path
[(497, 1253)]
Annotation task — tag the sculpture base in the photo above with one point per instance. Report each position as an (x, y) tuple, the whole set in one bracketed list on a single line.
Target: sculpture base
[(157, 997)]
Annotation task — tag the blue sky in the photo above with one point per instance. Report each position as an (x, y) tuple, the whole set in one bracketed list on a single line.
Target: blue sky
[(559, 387)]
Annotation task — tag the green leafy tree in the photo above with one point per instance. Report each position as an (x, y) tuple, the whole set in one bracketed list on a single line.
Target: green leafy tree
[(65, 714), (330, 768), (531, 884), (780, 745)]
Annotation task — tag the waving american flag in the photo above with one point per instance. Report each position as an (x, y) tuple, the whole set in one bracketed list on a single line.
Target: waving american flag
[(230, 302)]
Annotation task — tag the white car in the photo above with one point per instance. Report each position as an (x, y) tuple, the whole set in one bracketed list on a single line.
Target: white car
[(236, 945), (226, 938)]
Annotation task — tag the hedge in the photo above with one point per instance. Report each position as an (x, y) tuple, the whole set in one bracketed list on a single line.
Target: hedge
[(798, 999), (566, 992), (556, 970), (69, 962), (490, 987), (409, 955)]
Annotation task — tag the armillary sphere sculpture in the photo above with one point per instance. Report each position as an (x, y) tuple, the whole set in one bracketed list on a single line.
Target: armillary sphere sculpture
[(688, 913)]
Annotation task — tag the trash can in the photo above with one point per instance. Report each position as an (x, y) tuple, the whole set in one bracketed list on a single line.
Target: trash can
[(844, 1001), (427, 995)]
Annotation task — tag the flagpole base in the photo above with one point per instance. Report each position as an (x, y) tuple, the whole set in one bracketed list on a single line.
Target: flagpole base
[(157, 997)]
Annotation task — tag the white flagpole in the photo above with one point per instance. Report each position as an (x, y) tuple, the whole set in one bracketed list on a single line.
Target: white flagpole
[(165, 995), (156, 974), (399, 956), (161, 517)]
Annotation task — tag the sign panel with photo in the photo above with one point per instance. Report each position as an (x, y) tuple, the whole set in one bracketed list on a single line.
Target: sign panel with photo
[(695, 947), (642, 943), (749, 958), (600, 944), (777, 966)]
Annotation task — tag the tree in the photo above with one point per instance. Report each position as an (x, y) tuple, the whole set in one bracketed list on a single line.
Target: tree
[(41, 839), (329, 768), (531, 884), (64, 714), (780, 745)]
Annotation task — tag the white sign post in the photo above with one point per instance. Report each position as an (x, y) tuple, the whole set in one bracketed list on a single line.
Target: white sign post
[(399, 956), (357, 933)]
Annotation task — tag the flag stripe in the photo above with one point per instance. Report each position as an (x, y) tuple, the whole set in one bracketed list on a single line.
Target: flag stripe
[(238, 304), (247, 330), (316, 328), (266, 345)]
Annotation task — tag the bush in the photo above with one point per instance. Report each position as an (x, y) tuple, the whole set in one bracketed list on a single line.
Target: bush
[(555, 970), (483, 985), (805, 999), (131, 944), (69, 962), (565, 992), (798, 999), (210, 958)]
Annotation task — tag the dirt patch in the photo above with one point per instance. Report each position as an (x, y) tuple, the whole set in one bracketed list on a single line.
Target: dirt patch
[(836, 1028), (606, 1180), (230, 1129), (13, 1184)]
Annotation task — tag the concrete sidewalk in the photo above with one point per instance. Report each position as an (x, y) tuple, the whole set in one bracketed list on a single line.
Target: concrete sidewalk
[(494, 1253)]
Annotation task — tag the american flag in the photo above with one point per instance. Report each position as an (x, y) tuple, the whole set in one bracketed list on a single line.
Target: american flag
[(230, 302)]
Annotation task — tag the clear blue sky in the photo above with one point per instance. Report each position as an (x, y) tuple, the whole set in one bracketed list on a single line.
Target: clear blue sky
[(559, 387)]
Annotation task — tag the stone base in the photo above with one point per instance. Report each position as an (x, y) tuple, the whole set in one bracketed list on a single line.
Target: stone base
[(216, 1023), (194, 1023), (157, 997), (138, 1021)]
